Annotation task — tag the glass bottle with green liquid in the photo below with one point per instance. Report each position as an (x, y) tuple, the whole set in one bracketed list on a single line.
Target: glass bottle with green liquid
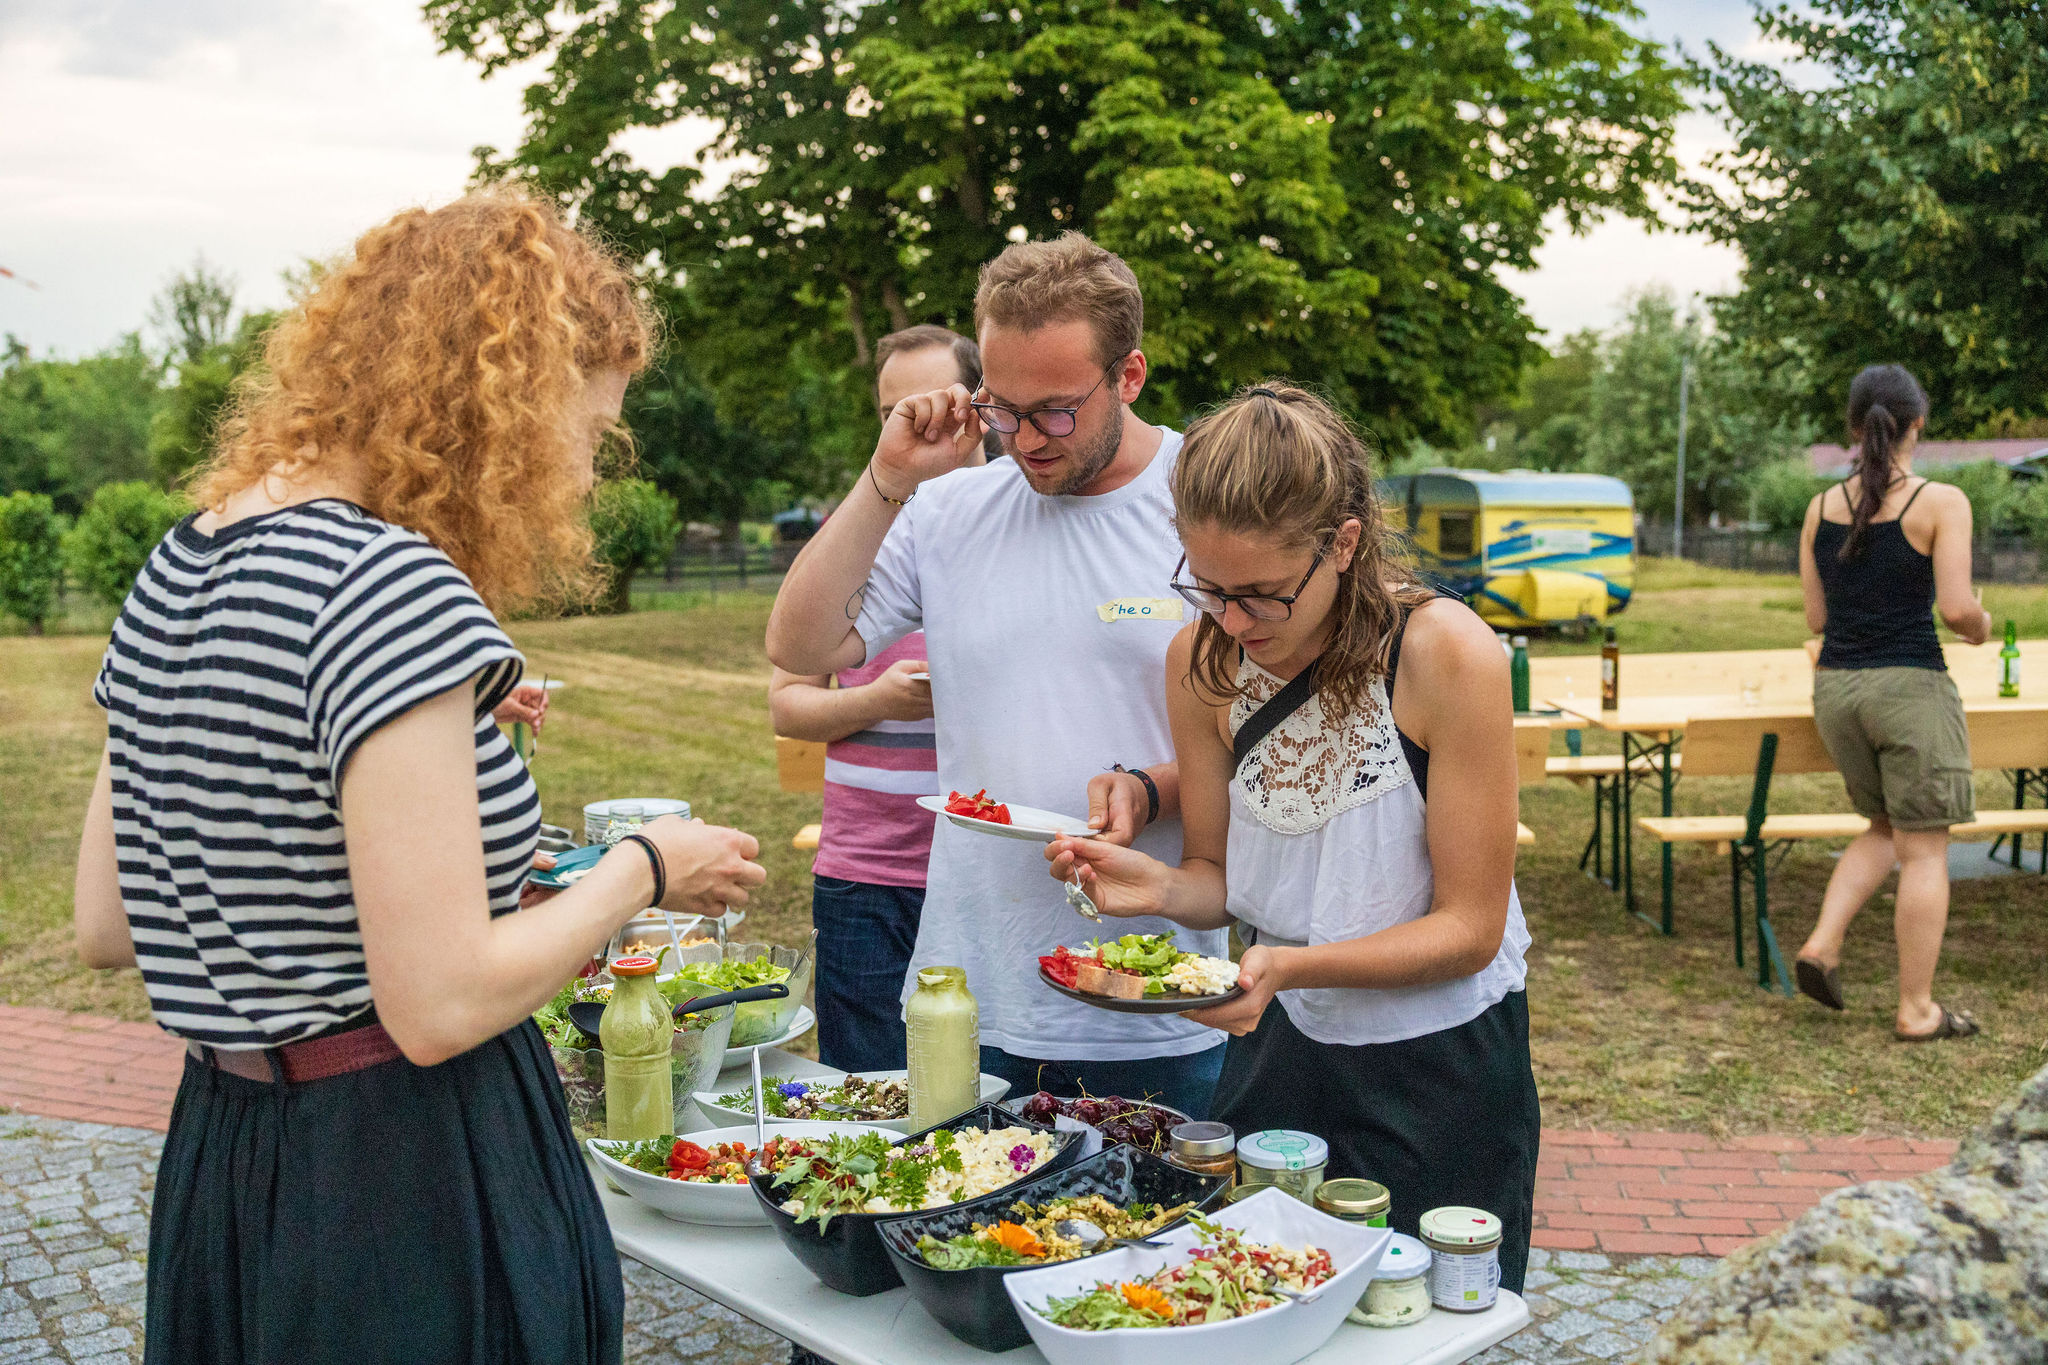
[(2009, 662), (942, 1024), (638, 1035)]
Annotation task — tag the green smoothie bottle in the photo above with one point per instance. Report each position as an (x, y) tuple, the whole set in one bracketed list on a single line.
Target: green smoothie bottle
[(942, 1025), (637, 1034)]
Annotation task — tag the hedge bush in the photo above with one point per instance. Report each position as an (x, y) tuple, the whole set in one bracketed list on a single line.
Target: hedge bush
[(31, 558), (119, 527), (636, 526)]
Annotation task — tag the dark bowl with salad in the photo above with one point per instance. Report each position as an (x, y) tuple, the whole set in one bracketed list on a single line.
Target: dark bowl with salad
[(833, 1181), (954, 1260)]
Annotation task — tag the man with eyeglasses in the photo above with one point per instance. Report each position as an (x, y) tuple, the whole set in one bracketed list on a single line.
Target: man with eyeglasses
[(1041, 583)]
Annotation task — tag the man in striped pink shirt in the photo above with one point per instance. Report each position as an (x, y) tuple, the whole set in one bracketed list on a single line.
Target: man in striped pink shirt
[(869, 877)]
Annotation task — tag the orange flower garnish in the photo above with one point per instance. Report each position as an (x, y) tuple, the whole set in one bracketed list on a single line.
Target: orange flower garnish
[(1146, 1299), (1018, 1239)]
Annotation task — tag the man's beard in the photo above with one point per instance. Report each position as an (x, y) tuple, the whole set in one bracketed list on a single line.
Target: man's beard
[(1088, 462)]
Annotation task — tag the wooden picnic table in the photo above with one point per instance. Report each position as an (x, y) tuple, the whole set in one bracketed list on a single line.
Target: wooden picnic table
[(749, 1271), (1651, 727)]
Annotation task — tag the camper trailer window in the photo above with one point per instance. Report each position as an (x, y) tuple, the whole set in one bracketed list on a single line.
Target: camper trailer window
[(1454, 535)]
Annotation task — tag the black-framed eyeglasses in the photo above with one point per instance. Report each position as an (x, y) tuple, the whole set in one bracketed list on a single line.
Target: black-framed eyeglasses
[(1258, 606), (1051, 421)]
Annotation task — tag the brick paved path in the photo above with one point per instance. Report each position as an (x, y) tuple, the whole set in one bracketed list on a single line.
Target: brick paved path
[(1624, 1221), (1685, 1194)]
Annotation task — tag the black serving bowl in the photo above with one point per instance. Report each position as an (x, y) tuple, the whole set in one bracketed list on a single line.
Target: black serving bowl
[(848, 1255), (971, 1304)]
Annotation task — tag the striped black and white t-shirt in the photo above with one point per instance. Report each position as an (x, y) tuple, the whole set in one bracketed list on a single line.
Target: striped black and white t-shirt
[(245, 668)]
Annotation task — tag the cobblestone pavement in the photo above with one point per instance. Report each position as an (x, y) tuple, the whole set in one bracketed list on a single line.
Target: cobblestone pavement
[(1591, 1307), (74, 1230)]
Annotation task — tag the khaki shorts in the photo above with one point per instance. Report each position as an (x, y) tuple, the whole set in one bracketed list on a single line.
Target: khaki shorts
[(1899, 738)]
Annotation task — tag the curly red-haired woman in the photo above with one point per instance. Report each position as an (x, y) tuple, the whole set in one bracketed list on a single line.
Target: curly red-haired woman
[(310, 837)]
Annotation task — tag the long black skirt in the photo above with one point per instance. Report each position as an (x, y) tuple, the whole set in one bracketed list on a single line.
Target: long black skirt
[(398, 1213), (1447, 1118)]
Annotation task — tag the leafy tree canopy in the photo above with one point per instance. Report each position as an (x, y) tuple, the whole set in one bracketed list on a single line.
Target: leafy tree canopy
[(195, 312), (68, 426), (1320, 190), (1893, 209)]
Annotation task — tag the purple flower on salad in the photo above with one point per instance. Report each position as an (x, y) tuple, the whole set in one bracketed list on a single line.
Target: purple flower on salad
[(1021, 1156), (791, 1090)]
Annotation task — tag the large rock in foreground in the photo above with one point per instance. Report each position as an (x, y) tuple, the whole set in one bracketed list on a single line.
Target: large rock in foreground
[(1949, 1268)]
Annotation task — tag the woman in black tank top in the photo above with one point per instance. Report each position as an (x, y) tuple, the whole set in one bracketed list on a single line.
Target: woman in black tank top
[(1873, 570)]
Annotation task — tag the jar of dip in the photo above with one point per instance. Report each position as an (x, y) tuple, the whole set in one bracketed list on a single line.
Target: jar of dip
[(1398, 1292), (1280, 1156), (1210, 1148), (1464, 1267), (1355, 1201)]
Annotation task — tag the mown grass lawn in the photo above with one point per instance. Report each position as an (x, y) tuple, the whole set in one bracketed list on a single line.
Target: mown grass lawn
[(1631, 1029)]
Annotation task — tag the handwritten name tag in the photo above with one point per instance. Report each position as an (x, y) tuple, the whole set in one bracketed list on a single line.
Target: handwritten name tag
[(1142, 609)]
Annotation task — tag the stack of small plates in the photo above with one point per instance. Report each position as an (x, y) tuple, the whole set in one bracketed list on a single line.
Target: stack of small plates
[(598, 814)]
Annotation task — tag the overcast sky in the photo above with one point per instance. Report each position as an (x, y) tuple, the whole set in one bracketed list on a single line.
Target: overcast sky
[(135, 134)]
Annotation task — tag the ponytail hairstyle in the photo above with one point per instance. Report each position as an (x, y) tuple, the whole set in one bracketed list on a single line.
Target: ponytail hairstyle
[(1277, 460), (1884, 402)]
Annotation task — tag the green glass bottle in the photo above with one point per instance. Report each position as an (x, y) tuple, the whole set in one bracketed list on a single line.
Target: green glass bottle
[(1518, 673), (2009, 662)]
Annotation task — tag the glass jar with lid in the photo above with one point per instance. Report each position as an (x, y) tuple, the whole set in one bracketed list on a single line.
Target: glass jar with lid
[(1398, 1292), (1464, 1267), (1355, 1201), (1293, 1161), (1209, 1148)]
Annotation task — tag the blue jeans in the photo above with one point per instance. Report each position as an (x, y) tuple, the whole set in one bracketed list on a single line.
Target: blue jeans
[(1183, 1083), (865, 936)]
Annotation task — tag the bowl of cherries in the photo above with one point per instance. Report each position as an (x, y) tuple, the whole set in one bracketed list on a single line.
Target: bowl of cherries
[(1134, 1123)]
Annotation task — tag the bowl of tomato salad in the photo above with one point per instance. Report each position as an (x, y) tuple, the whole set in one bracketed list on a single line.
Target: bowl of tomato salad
[(700, 1177)]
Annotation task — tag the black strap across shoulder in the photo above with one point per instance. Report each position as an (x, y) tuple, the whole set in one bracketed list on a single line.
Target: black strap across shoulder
[(1276, 709)]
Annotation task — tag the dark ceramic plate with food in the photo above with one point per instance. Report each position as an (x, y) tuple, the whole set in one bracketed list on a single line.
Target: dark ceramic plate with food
[(1171, 1003)]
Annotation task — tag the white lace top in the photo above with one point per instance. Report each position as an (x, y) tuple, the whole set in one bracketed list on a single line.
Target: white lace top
[(1327, 844)]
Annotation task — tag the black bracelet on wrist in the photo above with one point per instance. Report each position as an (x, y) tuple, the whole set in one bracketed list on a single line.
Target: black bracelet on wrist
[(893, 502), (654, 862), (1151, 790)]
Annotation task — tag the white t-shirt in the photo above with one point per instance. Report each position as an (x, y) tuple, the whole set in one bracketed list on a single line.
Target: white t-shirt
[(1046, 623)]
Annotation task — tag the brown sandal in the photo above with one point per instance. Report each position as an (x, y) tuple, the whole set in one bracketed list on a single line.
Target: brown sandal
[(1954, 1024), (1818, 983)]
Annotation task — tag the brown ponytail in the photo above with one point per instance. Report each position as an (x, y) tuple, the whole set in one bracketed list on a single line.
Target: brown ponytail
[(1884, 402)]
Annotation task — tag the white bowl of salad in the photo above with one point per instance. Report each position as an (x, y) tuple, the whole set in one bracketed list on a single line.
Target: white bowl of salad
[(1161, 1307), (702, 1177), (878, 1097)]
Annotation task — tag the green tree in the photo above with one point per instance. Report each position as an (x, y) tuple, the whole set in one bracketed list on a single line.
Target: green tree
[(120, 526), (1780, 491), (1889, 193), (635, 525), (181, 434), (1633, 414), (68, 426), (31, 558), (195, 312), (1323, 190), (720, 469)]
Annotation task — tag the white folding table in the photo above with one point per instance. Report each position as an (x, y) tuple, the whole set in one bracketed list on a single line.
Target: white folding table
[(751, 1272)]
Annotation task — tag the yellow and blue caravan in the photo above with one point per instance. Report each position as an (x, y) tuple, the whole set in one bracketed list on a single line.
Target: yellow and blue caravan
[(1525, 549)]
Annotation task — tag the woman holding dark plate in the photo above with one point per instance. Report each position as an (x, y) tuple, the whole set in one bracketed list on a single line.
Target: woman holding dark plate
[(1346, 747)]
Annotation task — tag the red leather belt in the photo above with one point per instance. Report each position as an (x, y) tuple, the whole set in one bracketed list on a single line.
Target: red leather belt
[(313, 1060)]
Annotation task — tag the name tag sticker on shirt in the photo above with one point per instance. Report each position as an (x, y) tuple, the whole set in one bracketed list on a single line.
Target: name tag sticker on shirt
[(1142, 609)]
